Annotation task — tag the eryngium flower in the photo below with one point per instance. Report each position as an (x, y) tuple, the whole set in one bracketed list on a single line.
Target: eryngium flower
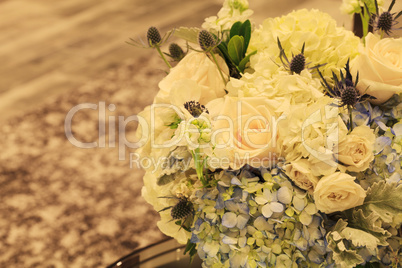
[(297, 63), (387, 20), (182, 210), (349, 95), (153, 36), (176, 52), (344, 89), (206, 40)]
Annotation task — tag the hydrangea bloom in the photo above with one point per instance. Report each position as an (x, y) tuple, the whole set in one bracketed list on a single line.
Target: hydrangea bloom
[(267, 169), (325, 43), (232, 11), (244, 222)]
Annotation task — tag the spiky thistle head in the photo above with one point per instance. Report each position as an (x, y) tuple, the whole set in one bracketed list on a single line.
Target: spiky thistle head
[(345, 88), (195, 108), (298, 63), (182, 209), (176, 52), (153, 36), (386, 21), (206, 40), (349, 96)]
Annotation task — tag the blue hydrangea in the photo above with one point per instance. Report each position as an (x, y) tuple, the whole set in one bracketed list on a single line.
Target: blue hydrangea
[(257, 221)]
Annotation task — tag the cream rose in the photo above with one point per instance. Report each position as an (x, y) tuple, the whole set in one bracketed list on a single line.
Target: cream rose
[(244, 131), (300, 173), (355, 152), (338, 192), (199, 68), (380, 67)]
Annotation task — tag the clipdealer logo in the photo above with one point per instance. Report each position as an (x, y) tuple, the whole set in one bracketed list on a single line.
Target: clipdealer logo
[(326, 153)]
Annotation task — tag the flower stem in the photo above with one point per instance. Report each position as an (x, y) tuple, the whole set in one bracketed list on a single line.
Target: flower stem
[(163, 57), (365, 18), (199, 166), (350, 110), (219, 68)]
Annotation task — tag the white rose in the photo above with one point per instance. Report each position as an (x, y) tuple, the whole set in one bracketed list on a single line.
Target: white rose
[(380, 68), (300, 173), (356, 151), (338, 192), (199, 68), (244, 131)]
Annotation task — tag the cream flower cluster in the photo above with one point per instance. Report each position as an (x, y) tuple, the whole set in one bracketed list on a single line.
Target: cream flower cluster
[(355, 6), (264, 154), (325, 43), (231, 12)]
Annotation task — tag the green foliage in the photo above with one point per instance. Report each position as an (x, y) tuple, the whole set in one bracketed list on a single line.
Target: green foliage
[(343, 256), (188, 34), (165, 179), (369, 265), (369, 224), (383, 199), (175, 123), (360, 238), (191, 248), (200, 163), (234, 50)]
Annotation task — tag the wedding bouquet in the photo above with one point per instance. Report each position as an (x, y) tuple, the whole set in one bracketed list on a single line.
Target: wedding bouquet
[(278, 145)]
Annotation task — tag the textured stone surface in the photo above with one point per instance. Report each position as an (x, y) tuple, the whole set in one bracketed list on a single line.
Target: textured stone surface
[(64, 206)]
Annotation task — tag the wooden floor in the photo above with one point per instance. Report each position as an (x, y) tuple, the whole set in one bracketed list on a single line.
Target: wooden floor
[(50, 47)]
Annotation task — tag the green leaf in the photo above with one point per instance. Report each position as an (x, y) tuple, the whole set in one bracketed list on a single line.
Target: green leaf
[(342, 256), (369, 224), (188, 34), (235, 30), (384, 199), (191, 248), (236, 48), (165, 179), (360, 238), (223, 48), (245, 31), (369, 265), (175, 124), (244, 61), (347, 258)]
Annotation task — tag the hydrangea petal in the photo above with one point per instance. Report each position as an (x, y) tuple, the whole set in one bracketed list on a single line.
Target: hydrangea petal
[(261, 223), (276, 207), (284, 195), (242, 220), (381, 143), (260, 200), (305, 218), (229, 220), (266, 211), (242, 241), (298, 203), (229, 240), (231, 205)]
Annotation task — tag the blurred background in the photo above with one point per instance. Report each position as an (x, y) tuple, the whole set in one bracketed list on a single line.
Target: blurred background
[(64, 206)]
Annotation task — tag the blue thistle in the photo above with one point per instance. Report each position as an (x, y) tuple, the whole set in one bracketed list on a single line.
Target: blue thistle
[(298, 62), (386, 21)]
